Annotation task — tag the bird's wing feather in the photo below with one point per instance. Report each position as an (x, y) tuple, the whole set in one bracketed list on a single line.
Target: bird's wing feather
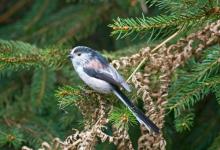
[(105, 72), (101, 75)]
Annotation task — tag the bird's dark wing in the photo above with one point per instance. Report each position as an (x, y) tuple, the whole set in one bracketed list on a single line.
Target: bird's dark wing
[(105, 72), (101, 75)]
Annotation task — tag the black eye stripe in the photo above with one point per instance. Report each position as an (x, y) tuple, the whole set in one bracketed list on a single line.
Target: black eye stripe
[(82, 49), (77, 51)]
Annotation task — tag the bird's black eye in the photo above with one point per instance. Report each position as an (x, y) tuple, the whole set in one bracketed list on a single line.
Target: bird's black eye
[(79, 54)]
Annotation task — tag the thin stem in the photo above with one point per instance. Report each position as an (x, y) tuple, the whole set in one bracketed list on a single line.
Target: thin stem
[(153, 50)]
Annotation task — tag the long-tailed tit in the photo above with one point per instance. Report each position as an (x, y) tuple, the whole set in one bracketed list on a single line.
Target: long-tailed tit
[(97, 73)]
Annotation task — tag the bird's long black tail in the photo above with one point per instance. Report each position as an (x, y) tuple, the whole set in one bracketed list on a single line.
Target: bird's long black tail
[(136, 112)]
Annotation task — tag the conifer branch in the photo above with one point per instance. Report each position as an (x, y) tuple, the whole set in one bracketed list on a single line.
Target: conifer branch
[(17, 55), (188, 89), (191, 94), (126, 27), (217, 93), (185, 121), (68, 95), (122, 117)]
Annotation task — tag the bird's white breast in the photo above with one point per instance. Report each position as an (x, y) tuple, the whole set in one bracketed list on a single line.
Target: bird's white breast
[(96, 84)]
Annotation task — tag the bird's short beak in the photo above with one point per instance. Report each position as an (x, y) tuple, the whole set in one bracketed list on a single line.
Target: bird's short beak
[(70, 56)]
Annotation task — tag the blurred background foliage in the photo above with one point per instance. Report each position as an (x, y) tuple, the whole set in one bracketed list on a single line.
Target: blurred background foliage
[(32, 71), (29, 111)]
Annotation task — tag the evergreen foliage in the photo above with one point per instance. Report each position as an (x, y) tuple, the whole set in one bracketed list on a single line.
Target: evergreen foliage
[(41, 97), (192, 87), (181, 14), (122, 117)]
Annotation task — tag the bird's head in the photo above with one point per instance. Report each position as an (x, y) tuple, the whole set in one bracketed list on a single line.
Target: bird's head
[(80, 55)]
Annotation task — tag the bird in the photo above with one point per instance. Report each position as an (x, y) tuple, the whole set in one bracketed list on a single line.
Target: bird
[(101, 76)]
